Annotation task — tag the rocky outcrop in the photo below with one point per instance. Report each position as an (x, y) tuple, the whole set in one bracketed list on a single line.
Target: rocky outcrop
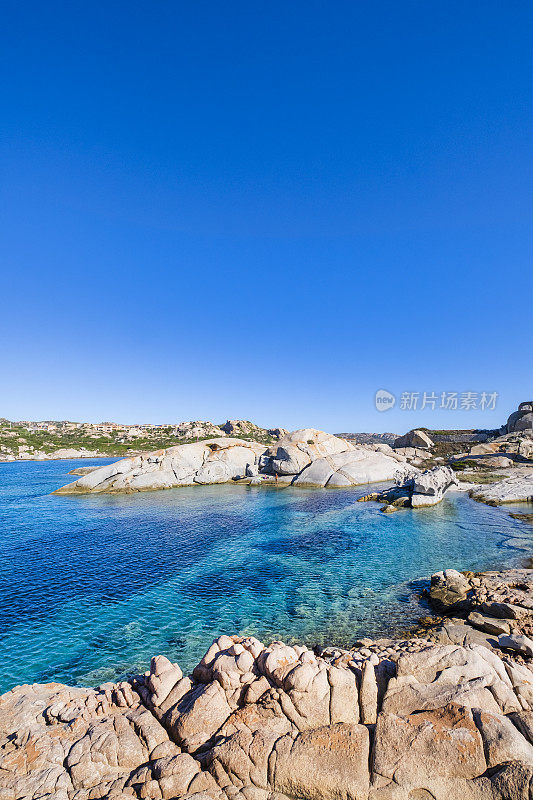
[(492, 609), (416, 489), (83, 470), (63, 453), (428, 487), (413, 454), (449, 590), (320, 459), (348, 469), (298, 449), (521, 420), (211, 461), (306, 458), (415, 438), (277, 433), (518, 446), (517, 488), (197, 430), (485, 448), (387, 720)]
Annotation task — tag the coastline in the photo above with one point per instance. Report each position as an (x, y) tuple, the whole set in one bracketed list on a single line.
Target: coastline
[(336, 718), (93, 456), (252, 720)]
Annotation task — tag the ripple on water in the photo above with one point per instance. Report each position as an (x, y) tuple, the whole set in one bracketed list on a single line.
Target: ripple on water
[(92, 586)]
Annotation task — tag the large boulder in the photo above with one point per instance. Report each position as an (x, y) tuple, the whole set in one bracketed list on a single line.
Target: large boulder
[(320, 459), (496, 462), (296, 450), (415, 438), (521, 420), (425, 488), (434, 482), (449, 590), (353, 467), (485, 448)]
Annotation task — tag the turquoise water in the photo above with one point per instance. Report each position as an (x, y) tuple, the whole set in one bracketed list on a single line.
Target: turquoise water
[(92, 586)]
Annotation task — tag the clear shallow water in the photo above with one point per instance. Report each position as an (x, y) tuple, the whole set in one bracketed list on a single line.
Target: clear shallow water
[(92, 586)]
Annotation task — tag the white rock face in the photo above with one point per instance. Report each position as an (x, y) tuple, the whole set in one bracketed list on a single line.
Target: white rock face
[(434, 481), (352, 467), (296, 450), (428, 487), (211, 461)]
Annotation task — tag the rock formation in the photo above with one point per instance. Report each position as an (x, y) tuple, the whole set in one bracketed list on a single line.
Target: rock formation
[(210, 461), (428, 487), (243, 427), (388, 720), (521, 420), (446, 716), (197, 430), (415, 438), (516, 488), (306, 457), (415, 489)]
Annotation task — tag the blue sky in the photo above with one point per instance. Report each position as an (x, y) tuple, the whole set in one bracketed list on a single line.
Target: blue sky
[(265, 210)]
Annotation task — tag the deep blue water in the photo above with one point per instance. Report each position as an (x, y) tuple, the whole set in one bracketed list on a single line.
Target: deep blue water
[(92, 586)]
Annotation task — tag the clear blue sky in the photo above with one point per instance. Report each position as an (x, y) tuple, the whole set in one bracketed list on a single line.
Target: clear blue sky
[(265, 210)]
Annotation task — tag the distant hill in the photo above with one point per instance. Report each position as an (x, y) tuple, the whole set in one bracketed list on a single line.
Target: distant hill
[(369, 438), (39, 440)]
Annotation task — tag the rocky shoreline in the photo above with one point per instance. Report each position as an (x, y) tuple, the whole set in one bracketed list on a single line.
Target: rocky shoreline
[(441, 713), (446, 713)]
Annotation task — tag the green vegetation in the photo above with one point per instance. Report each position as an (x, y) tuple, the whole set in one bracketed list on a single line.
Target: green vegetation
[(459, 466), (469, 477), (450, 432), (114, 443), (447, 449)]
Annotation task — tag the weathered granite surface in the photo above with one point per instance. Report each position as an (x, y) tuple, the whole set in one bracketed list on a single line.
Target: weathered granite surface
[(387, 720), (305, 457), (516, 488)]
